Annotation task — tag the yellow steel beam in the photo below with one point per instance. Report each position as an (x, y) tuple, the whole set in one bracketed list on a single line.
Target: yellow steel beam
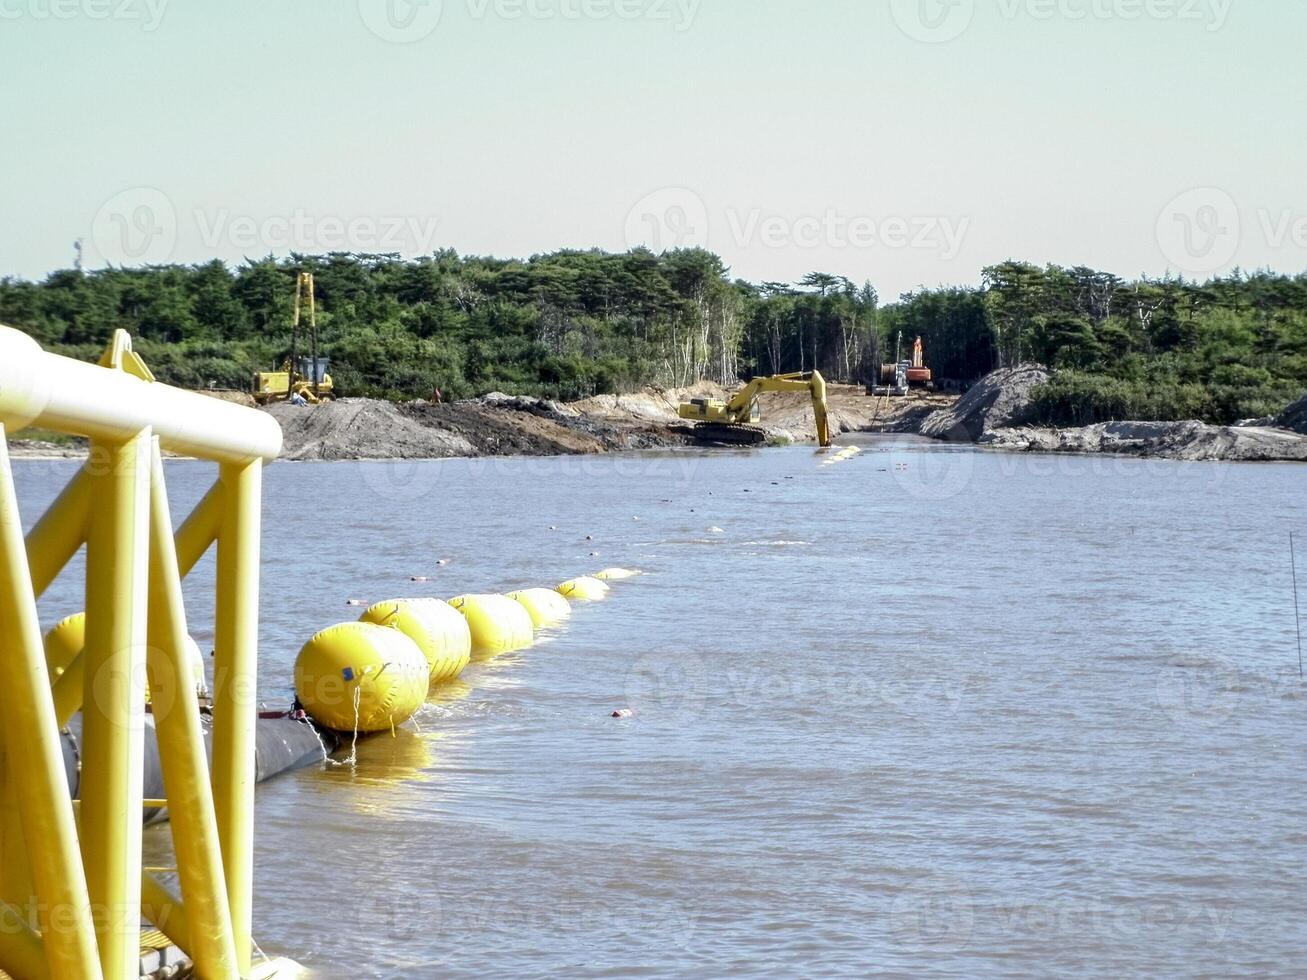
[(22, 952), (182, 754), (199, 530), (37, 388), (236, 637), (168, 916), (60, 532), (113, 713), (29, 721)]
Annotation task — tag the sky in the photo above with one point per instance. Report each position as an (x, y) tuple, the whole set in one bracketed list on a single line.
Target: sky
[(907, 143)]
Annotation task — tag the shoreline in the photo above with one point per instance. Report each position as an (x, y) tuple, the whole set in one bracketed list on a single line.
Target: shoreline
[(504, 426)]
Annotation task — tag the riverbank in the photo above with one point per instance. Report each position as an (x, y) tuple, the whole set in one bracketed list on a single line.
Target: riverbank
[(995, 414), (998, 414), (504, 425)]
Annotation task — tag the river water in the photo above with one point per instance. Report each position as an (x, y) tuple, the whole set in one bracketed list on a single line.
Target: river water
[(921, 711)]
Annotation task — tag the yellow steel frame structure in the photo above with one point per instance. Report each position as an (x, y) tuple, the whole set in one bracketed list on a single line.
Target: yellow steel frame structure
[(72, 889)]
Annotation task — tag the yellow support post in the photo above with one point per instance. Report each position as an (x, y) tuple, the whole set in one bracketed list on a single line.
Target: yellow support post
[(235, 713), (181, 752), (36, 774), (113, 710)]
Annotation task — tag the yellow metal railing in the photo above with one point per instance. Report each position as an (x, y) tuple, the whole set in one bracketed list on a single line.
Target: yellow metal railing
[(72, 889)]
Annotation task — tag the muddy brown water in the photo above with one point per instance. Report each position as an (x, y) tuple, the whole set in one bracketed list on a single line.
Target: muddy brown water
[(925, 711)]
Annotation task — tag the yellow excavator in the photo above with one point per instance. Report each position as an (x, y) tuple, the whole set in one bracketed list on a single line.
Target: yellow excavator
[(736, 421), (300, 377)]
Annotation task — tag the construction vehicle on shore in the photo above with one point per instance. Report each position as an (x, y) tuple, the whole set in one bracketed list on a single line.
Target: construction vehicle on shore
[(903, 375), (735, 422), (301, 378)]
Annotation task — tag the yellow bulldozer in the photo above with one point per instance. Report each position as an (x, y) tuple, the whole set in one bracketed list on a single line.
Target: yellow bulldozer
[(735, 422), (300, 377)]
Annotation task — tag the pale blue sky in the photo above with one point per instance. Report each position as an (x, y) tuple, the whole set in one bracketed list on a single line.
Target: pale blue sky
[(787, 136)]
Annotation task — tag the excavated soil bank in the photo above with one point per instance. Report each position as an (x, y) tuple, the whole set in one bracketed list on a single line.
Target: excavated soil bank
[(504, 425)]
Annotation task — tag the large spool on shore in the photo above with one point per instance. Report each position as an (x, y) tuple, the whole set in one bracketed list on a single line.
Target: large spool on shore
[(498, 624), (361, 677), (440, 631)]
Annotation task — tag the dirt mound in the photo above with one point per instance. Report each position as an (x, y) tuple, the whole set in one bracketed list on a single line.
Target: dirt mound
[(652, 404), (359, 428), (229, 395), (1167, 440), (1000, 400), (1294, 417), (495, 425)]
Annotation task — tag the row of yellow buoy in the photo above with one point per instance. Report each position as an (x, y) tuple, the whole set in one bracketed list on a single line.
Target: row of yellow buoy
[(374, 674)]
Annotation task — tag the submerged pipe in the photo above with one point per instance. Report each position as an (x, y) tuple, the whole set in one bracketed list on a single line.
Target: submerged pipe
[(282, 744)]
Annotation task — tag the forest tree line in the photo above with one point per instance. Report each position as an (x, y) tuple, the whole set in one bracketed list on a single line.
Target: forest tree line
[(575, 323)]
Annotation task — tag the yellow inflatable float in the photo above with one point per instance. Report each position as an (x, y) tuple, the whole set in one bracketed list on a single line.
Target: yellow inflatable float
[(361, 677), (66, 639), (498, 624), (439, 630), (616, 574), (583, 589), (545, 606)]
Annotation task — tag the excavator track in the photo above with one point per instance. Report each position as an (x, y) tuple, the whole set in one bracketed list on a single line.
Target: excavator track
[(729, 433)]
